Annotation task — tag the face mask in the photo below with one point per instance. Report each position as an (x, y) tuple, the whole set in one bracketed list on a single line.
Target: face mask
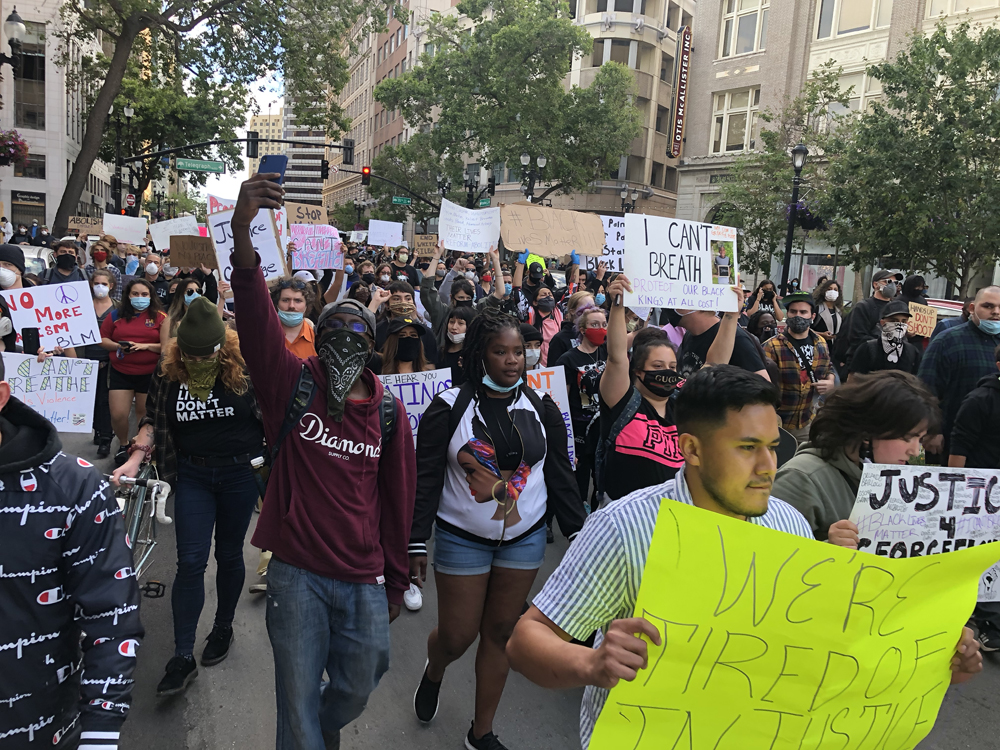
[(546, 304), (190, 297), (632, 325), (100, 256), (408, 349), (532, 356), (893, 335), (7, 278), (600, 298), (403, 257), (766, 333), (768, 295), (101, 290), (798, 324), (66, 262), (402, 308), (832, 295), (463, 303), (290, 319), (507, 289), (990, 327), (348, 270), (440, 272), (152, 269), (889, 290), (456, 338), (201, 376), (344, 353), (385, 278), (795, 285), (487, 279), (44, 233), (596, 336), (368, 278), (674, 317), (470, 275), (661, 382), (489, 383), (139, 303)]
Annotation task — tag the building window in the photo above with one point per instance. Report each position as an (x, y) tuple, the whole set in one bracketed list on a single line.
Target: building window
[(429, 50), (941, 7), (735, 120), (666, 68), (29, 86), (662, 119), (619, 51), (744, 26), (838, 17)]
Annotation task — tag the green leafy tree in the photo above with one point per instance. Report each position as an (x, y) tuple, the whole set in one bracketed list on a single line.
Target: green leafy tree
[(498, 89), (344, 216)]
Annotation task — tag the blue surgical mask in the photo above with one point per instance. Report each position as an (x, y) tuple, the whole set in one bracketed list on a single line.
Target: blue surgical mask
[(599, 299), (131, 266), (990, 327), (290, 319), (139, 303), (190, 297), (507, 289), (348, 269), (488, 382)]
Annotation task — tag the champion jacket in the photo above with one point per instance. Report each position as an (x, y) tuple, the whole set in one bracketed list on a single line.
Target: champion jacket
[(70, 625)]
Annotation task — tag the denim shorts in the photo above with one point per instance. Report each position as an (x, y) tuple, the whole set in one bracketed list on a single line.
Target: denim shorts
[(456, 556)]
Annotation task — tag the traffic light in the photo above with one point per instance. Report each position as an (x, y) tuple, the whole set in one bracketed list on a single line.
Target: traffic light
[(348, 150), (491, 185), (366, 175), (252, 136), (324, 170)]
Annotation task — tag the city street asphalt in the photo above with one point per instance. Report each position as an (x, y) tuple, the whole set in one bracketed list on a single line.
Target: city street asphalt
[(231, 705)]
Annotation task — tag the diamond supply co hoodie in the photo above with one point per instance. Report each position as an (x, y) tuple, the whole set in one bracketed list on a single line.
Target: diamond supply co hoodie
[(339, 503)]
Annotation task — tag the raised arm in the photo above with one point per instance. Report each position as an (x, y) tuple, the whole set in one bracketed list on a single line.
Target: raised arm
[(256, 193), (333, 291), (721, 350), (615, 381), (498, 288)]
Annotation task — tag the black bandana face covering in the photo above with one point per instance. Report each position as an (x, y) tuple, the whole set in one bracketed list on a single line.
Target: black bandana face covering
[(344, 353)]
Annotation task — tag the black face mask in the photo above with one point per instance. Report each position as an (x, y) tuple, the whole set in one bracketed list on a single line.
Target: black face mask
[(766, 333), (768, 296), (408, 349), (673, 317), (661, 382), (368, 278), (546, 304), (463, 303), (65, 262)]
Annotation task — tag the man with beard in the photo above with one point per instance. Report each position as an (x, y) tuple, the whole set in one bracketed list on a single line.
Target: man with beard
[(339, 501), (891, 350)]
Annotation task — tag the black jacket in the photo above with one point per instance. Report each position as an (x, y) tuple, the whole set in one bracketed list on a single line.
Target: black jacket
[(561, 343), (67, 586), (974, 434), (864, 325)]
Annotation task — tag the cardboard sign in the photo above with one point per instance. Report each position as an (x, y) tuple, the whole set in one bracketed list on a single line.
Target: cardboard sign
[(552, 380), (60, 389), (923, 321), (550, 232), (385, 233), (914, 511), (162, 231), (303, 213), (771, 641), (263, 234), (63, 314), (359, 235), (614, 246), (317, 246), (192, 252), (416, 391), (673, 263), (128, 229), (88, 224), (468, 230), (424, 244)]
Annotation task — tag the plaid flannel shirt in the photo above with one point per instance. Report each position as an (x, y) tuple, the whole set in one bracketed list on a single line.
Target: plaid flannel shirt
[(797, 390)]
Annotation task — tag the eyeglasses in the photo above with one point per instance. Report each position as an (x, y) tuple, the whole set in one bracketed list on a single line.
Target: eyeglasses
[(293, 284), (336, 324)]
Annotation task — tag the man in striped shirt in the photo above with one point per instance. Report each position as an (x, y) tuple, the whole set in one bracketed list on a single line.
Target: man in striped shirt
[(727, 427)]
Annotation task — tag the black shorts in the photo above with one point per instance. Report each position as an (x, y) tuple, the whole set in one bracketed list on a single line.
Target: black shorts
[(120, 381)]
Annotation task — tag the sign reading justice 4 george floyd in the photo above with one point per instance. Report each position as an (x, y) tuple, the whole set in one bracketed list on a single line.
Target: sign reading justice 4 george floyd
[(685, 265)]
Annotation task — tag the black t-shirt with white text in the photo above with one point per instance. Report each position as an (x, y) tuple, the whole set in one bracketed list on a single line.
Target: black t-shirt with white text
[(694, 352), (222, 425)]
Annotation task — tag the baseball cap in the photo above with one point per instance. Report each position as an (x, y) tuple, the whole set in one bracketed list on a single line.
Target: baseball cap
[(349, 307), (536, 271), (880, 275), (798, 297), (398, 324), (896, 307)]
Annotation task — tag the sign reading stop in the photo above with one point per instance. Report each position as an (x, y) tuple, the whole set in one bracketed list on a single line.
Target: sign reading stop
[(130, 200)]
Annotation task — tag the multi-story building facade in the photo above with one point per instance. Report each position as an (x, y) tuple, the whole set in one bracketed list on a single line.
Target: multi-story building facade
[(266, 126), (303, 180)]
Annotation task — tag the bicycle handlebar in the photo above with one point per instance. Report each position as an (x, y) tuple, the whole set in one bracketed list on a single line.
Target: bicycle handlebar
[(161, 491)]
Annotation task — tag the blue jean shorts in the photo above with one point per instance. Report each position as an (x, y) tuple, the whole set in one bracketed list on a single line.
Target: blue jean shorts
[(456, 556)]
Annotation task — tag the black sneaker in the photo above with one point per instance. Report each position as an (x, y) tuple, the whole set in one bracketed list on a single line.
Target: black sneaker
[(488, 741), (121, 456), (104, 448), (219, 641), (180, 671), (425, 700), (989, 636)]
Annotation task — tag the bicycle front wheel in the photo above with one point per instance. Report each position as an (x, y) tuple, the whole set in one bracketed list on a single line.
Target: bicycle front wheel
[(140, 523)]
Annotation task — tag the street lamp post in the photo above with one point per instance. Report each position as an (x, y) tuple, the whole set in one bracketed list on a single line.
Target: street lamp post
[(471, 186), (128, 111), (158, 194), (626, 206), (799, 154), (444, 185), (15, 30), (530, 175)]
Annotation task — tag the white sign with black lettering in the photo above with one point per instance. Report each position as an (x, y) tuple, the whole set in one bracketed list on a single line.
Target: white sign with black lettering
[(263, 234), (614, 246)]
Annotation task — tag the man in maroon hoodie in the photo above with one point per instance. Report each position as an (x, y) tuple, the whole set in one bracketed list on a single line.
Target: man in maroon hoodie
[(338, 507)]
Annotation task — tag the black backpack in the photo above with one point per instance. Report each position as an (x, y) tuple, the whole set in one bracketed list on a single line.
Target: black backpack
[(603, 446), (302, 398)]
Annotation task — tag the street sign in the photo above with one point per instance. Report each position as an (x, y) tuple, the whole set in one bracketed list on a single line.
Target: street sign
[(130, 200), (401, 200), (484, 202), (201, 165)]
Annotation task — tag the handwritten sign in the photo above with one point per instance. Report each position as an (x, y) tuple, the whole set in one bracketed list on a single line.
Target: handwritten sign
[(384, 232), (550, 232), (913, 511), (218, 205), (679, 264), (416, 391), (88, 224), (774, 641), (63, 313), (317, 246), (923, 321), (424, 244), (552, 381), (128, 229), (468, 230), (303, 213), (358, 235), (192, 252), (162, 231), (264, 236), (614, 246), (61, 389)]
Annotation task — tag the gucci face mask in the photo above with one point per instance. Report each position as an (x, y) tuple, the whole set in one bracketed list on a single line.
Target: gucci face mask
[(344, 354)]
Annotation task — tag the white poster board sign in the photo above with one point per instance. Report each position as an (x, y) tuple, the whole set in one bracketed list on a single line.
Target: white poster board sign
[(678, 264), (218, 205), (416, 391), (468, 230), (614, 246), (910, 511), (385, 232), (61, 389), (128, 229), (63, 314), (358, 235), (162, 231), (316, 246), (264, 236), (552, 380)]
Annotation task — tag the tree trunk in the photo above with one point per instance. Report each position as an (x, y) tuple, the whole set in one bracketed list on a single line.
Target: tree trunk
[(859, 283), (94, 133)]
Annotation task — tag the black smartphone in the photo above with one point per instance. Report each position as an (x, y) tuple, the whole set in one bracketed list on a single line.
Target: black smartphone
[(274, 163), (30, 343), (125, 345)]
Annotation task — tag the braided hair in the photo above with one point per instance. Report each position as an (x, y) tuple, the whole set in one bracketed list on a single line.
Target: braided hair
[(485, 327)]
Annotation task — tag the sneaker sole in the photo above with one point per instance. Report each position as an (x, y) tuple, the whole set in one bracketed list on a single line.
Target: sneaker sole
[(258, 588), (181, 689), (212, 662), (436, 707), (988, 649)]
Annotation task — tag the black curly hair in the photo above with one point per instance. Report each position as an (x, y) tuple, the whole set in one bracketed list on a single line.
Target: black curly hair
[(485, 327)]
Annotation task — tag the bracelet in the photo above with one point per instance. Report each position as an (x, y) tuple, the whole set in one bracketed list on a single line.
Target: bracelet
[(147, 449)]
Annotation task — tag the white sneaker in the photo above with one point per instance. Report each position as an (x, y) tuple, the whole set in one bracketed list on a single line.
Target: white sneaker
[(413, 599)]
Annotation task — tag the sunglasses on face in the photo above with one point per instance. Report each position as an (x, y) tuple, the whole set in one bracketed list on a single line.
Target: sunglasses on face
[(335, 324), (293, 284)]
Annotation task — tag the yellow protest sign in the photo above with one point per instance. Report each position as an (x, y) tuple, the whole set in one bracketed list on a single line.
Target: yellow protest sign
[(924, 319), (776, 642)]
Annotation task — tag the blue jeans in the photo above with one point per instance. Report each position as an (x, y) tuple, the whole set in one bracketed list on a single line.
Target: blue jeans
[(317, 623), (223, 499)]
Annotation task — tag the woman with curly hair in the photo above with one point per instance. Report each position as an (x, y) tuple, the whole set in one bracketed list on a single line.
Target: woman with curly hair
[(491, 457), (203, 421)]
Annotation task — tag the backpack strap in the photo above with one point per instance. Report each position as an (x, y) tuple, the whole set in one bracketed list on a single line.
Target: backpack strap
[(298, 405), (387, 416), (465, 394), (603, 446), (536, 401)]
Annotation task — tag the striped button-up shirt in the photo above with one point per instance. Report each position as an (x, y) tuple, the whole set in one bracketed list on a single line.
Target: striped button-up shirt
[(598, 579)]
